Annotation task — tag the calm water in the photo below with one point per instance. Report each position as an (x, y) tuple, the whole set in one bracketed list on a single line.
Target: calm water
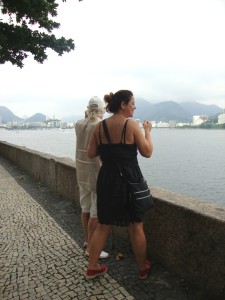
[(187, 161)]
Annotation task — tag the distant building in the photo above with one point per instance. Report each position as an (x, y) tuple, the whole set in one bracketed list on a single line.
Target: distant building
[(221, 118), (182, 124), (53, 124), (153, 123), (162, 125), (198, 120), (63, 125), (172, 123)]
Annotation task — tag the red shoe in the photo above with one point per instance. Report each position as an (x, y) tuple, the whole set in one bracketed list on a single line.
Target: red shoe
[(143, 274), (94, 273), (148, 263)]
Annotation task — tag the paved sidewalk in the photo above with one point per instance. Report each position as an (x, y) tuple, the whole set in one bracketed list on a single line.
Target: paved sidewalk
[(41, 255)]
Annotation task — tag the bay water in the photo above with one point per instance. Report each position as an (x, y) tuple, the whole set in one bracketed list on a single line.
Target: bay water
[(187, 161)]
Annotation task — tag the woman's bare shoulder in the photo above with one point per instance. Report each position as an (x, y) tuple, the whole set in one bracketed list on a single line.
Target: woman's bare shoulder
[(132, 124)]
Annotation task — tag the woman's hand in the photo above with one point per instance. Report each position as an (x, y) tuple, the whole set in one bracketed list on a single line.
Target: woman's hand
[(147, 125), (143, 142)]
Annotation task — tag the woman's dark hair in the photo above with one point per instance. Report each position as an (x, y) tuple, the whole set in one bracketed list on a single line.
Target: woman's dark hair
[(114, 100)]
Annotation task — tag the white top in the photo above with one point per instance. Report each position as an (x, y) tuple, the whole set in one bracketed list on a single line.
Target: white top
[(87, 169)]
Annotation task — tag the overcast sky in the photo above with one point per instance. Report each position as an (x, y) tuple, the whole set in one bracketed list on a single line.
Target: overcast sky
[(161, 50)]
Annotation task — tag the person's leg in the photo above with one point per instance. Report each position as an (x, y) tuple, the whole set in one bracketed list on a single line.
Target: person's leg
[(97, 243), (92, 224), (93, 221), (85, 217), (138, 242), (85, 203)]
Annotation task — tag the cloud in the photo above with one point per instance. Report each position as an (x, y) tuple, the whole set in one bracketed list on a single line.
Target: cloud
[(161, 50)]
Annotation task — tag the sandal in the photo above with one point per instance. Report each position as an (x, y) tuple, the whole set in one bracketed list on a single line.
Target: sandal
[(103, 254), (94, 273), (143, 274)]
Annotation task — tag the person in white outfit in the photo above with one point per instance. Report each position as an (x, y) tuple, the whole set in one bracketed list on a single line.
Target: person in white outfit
[(87, 169)]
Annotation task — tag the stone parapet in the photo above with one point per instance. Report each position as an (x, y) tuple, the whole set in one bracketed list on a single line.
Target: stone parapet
[(186, 235), (57, 173)]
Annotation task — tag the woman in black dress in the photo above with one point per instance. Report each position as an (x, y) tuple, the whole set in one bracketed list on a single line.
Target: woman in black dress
[(117, 140)]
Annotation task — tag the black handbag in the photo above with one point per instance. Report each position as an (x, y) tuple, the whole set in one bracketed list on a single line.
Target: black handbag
[(140, 196)]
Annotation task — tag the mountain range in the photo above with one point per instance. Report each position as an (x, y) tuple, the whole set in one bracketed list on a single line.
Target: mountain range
[(162, 111), (7, 115), (170, 110)]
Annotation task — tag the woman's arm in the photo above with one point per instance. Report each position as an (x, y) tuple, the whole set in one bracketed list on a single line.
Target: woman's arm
[(143, 142), (92, 149)]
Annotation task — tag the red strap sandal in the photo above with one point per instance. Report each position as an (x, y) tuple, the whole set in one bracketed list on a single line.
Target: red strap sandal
[(94, 273), (143, 274)]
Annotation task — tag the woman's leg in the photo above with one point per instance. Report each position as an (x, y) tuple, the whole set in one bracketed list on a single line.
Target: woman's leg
[(92, 224), (138, 242), (97, 243)]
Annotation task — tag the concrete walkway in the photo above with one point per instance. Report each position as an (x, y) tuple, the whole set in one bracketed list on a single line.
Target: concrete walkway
[(41, 254)]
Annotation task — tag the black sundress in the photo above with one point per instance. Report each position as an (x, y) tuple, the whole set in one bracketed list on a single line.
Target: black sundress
[(114, 205)]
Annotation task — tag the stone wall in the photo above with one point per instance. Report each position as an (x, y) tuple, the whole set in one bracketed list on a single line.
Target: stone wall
[(186, 235), (58, 173)]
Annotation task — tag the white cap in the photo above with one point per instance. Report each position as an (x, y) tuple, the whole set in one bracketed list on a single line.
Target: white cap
[(96, 104)]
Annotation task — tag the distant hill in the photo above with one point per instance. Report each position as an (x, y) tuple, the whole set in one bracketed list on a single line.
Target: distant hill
[(195, 108), (163, 111), (8, 116), (36, 118), (143, 109), (170, 110)]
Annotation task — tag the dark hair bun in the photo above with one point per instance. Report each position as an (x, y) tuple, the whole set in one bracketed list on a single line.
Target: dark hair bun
[(108, 98), (114, 100)]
